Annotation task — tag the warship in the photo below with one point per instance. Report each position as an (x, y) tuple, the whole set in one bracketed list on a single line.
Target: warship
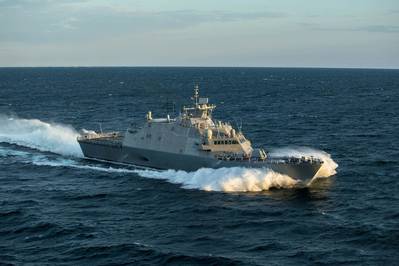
[(190, 141)]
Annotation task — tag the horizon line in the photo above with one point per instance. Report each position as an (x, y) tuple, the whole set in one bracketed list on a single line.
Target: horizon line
[(199, 66)]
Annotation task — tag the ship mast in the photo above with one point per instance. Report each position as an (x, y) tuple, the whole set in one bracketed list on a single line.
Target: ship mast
[(200, 107), (196, 94)]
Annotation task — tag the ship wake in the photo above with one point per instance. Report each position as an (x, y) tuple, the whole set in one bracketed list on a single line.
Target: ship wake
[(61, 139), (237, 179)]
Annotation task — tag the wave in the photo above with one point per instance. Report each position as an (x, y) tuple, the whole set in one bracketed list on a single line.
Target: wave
[(235, 179), (62, 162), (12, 153), (33, 133)]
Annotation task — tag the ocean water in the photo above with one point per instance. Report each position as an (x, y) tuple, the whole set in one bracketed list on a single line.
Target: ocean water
[(56, 208)]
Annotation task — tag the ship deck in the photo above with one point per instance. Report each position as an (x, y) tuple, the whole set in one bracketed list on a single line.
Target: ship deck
[(111, 139)]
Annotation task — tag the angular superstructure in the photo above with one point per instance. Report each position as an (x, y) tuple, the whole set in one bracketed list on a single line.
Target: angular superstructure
[(188, 142)]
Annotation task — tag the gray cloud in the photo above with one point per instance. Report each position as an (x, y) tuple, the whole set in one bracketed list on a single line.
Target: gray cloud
[(366, 28), (36, 3), (13, 3), (379, 28), (53, 23)]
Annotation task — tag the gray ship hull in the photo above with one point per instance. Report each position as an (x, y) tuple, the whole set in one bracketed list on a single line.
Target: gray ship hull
[(116, 152)]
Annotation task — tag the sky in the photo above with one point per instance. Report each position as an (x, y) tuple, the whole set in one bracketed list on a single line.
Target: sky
[(249, 33)]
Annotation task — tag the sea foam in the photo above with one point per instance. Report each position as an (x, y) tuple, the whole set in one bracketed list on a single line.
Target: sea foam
[(33, 133), (235, 179), (328, 168)]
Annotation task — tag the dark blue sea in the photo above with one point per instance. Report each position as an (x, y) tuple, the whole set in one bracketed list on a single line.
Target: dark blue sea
[(57, 208)]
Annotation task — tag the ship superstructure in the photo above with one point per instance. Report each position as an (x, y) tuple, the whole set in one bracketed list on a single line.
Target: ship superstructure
[(188, 142)]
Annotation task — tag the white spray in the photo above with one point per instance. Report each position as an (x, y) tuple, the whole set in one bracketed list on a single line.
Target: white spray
[(329, 166), (235, 179), (39, 135), (240, 179)]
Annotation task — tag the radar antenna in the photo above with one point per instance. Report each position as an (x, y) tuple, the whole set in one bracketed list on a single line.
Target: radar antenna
[(196, 94)]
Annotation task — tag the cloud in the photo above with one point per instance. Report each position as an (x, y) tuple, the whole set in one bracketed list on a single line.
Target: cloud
[(379, 28), (366, 28), (12, 3), (73, 20), (238, 16), (35, 3)]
